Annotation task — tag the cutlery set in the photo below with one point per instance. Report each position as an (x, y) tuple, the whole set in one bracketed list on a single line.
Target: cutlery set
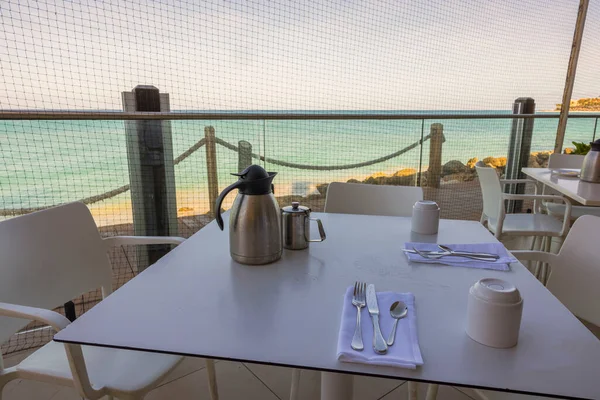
[(364, 295), (445, 251)]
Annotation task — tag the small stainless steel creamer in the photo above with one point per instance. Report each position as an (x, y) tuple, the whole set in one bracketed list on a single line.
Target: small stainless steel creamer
[(295, 221)]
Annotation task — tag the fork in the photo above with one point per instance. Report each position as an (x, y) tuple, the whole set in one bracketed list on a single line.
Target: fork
[(430, 256), (359, 299)]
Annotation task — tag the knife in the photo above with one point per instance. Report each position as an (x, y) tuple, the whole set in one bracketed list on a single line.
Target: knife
[(379, 344)]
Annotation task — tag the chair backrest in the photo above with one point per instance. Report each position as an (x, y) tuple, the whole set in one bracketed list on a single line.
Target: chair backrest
[(357, 198), (571, 161), (491, 189), (48, 258), (575, 276)]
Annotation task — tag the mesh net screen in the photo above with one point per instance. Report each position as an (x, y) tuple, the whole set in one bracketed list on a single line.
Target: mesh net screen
[(440, 57)]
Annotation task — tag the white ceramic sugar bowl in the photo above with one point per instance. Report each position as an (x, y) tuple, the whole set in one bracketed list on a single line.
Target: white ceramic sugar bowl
[(494, 312), (425, 217)]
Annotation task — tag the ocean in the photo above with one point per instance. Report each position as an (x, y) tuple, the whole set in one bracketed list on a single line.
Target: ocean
[(51, 162)]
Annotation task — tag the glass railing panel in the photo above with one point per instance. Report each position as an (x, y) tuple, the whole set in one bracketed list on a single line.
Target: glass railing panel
[(309, 154)]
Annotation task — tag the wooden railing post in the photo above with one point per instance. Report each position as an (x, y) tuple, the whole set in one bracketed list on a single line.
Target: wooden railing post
[(244, 155), (211, 167), (434, 173)]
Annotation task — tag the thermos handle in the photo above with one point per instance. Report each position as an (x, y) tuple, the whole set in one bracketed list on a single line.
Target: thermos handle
[(321, 231), (236, 185)]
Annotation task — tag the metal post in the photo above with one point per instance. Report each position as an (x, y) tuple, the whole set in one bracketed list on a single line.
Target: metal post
[(211, 168), (434, 172), (151, 171), (519, 148), (244, 155), (70, 311), (570, 80)]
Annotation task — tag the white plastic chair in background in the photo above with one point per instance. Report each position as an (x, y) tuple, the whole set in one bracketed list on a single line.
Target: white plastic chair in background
[(48, 258), (575, 271), (494, 215), (567, 161), (357, 198)]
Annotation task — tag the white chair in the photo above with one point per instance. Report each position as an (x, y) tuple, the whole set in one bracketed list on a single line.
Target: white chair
[(494, 215), (575, 273), (48, 258), (357, 198), (558, 209), (569, 161)]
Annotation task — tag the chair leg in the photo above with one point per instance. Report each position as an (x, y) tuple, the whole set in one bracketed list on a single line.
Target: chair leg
[(533, 242), (432, 391), (546, 270), (413, 388), (538, 265), (295, 384), (212, 379)]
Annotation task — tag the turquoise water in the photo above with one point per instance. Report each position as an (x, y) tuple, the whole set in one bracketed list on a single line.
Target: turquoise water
[(49, 162)]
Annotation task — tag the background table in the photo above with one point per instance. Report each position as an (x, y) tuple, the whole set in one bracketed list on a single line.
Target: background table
[(196, 301), (586, 193)]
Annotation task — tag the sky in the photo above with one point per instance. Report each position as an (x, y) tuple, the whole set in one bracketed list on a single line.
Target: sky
[(294, 54)]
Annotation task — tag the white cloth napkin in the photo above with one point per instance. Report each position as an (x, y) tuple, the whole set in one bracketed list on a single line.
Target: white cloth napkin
[(502, 264), (405, 352)]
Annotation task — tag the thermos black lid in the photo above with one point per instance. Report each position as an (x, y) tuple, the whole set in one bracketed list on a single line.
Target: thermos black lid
[(595, 145), (255, 180)]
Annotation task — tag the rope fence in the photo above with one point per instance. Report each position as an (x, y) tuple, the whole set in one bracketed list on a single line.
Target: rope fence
[(326, 167)]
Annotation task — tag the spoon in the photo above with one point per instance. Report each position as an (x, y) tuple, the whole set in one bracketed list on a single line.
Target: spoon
[(398, 310)]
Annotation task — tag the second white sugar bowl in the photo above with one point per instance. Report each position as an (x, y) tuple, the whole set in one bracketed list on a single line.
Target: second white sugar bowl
[(425, 217), (494, 313)]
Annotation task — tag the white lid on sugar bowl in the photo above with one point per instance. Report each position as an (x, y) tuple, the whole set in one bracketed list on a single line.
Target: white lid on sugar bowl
[(496, 290), (426, 205)]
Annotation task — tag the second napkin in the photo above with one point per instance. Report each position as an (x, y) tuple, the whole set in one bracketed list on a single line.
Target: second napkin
[(502, 264)]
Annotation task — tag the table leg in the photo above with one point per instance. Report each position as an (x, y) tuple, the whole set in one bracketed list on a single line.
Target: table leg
[(413, 388), (336, 386), (432, 391)]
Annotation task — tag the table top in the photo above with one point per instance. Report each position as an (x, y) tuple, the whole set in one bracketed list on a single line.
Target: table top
[(586, 193), (197, 301)]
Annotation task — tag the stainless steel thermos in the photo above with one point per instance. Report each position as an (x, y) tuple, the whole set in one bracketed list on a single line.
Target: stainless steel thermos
[(254, 219), (590, 170)]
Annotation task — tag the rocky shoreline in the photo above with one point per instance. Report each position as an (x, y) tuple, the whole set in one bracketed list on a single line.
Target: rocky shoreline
[(453, 171), (587, 104)]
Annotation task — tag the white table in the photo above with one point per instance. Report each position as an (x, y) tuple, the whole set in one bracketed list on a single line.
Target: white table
[(586, 193), (196, 301)]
